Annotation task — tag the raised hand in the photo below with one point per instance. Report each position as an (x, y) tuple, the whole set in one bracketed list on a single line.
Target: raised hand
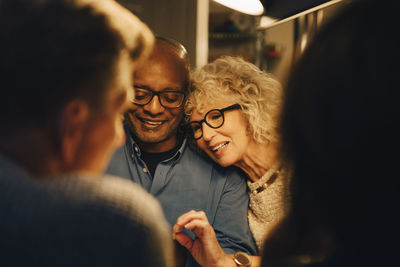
[(205, 247)]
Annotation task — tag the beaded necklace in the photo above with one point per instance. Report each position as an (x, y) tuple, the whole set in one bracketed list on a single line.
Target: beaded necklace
[(272, 178)]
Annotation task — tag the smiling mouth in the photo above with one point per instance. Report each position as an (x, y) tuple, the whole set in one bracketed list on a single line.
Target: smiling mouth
[(219, 147), (150, 123)]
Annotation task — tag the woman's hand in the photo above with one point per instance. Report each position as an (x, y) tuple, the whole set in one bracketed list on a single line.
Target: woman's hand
[(205, 248)]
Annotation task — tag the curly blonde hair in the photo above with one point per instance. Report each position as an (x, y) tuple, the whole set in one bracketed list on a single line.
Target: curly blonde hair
[(257, 92)]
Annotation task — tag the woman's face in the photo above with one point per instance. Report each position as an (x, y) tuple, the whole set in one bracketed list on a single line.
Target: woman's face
[(227, 144)]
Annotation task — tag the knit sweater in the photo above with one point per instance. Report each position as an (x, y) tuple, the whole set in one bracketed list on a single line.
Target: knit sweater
[(269, 203), (79, 220)]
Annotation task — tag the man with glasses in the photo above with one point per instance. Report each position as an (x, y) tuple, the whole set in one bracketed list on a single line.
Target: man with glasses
[(157, 155)]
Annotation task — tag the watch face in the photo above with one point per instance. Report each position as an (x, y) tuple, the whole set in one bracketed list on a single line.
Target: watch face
[(242, 259)]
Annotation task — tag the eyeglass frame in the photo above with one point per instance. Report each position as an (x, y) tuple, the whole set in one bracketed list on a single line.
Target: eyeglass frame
[(153, 93), (222, 111)]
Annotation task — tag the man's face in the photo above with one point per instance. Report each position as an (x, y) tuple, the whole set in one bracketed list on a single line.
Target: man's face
[(104, 130), (154, 126)]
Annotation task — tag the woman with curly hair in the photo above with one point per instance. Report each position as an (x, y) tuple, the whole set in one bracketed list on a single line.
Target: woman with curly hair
[(233, 113)]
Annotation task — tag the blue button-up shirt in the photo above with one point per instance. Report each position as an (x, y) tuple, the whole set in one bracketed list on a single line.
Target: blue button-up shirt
[(189, 181)]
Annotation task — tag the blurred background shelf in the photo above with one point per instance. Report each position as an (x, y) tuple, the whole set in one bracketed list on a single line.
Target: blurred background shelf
[(231, 37), (208, 29)]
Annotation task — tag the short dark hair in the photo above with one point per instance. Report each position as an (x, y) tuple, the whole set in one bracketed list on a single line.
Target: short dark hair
[(51, 51)]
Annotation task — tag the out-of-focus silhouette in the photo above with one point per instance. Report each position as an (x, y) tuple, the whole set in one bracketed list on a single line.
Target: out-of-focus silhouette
[(340, 136), (66, 70)]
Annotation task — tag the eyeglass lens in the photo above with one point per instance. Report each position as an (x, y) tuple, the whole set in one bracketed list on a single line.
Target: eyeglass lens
[(168, 99), (214, 119)]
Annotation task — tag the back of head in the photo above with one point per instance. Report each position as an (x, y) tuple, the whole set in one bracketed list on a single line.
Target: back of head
[(54, 51), (339, 132)]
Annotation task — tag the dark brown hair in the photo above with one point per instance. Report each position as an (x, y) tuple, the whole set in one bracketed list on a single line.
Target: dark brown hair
[(51, 51)]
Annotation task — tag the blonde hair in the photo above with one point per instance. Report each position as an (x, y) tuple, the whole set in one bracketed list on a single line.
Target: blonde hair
[(257, 92)]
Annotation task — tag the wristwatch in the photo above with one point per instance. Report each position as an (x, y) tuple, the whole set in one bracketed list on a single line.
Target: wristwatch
[(242, 259)]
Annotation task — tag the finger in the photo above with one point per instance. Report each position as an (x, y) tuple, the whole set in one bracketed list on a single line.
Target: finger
[(184, 240), (188, 214), (201, 229), (177, 228), (197, 224), (191, 215)]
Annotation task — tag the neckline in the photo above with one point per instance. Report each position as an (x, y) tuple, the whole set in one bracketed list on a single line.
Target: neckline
[(266, 180)]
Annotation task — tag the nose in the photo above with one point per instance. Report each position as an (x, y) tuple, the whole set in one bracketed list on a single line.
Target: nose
[(154, 107), (208, 132)]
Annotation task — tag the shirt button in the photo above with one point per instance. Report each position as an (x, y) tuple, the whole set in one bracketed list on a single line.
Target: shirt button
[(136, 149), (144, 170), (132, 155)]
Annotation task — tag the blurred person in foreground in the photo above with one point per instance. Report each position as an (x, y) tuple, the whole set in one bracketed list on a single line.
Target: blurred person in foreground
[(340, 133), (233, 110), (156, 155), (66, 77)]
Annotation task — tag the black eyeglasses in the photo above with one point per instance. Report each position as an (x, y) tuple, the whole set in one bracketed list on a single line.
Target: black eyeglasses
[(213, 118), (167, 98)]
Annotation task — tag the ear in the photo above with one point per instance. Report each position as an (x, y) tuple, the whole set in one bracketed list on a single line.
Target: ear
[(73, 123)]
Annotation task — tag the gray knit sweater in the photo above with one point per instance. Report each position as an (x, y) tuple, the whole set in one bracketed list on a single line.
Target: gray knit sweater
[(79, 221)]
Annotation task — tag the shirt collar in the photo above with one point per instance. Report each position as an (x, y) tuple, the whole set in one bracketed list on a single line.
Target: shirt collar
[(133, 146)]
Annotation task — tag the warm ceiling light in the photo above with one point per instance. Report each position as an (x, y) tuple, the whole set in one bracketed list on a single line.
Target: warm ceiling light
[(250, 7)]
